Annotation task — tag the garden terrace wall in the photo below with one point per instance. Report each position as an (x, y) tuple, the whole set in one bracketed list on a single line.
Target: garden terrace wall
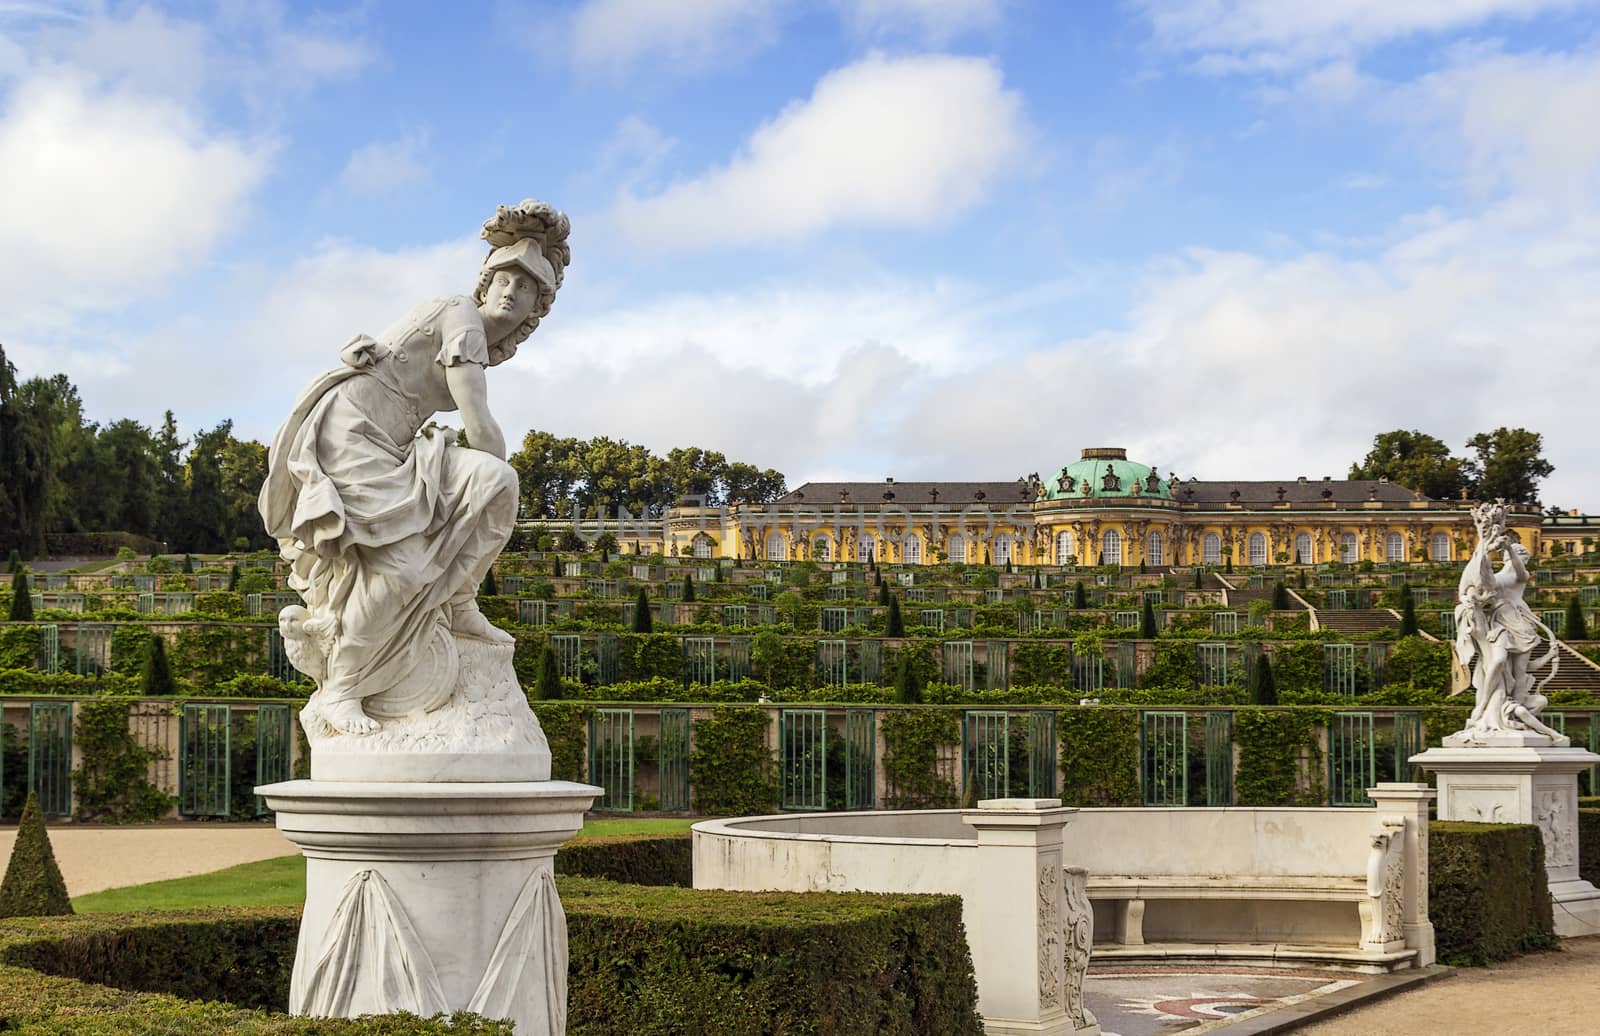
[(818, 755)]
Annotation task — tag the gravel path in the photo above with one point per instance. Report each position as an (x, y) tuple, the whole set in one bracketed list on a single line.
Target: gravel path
[(93, 857), (1544, 993)]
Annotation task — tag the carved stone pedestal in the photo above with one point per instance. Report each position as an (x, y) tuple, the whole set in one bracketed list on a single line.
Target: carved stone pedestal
[(1030, 963), (1525, 785), (431, 897)]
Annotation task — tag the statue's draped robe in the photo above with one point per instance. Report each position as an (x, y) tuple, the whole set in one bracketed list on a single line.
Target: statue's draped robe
[(384, 528)]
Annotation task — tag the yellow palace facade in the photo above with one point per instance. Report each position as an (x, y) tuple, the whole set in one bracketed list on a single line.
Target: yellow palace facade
[(1101, 509)]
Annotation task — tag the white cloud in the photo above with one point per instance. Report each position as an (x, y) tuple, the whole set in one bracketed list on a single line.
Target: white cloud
[(936, 21), (614, 35), (384, 166), (1523, 122), (109, 194), (904, 142), (1277, 36)]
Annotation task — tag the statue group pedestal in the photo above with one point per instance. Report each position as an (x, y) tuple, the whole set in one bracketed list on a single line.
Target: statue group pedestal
[(431, 897), (1527, 782)]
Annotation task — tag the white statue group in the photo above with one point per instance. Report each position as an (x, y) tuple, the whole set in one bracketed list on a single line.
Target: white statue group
[(388, 525), (1497, 636)]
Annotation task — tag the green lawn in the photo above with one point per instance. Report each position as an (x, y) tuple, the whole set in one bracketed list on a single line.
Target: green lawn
[(281, 881)]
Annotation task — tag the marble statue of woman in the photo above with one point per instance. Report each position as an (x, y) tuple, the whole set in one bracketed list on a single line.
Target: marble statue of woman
[(1496, 629), (388, 525)]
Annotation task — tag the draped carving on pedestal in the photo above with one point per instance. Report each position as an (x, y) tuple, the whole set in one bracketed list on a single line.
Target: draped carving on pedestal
[(370, 959), (527, 973)]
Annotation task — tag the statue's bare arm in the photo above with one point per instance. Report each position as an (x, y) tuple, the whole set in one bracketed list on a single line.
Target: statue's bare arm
[(470, 390)]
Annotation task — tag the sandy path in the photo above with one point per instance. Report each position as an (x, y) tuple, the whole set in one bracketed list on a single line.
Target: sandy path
[(92, 857), (1546, 993)]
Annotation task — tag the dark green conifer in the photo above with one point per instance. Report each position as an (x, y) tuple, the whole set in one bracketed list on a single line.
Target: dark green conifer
[(21, 598), (1408, 612), (897, 625), (1080, 597), (1147, 621), (688, 587), (1281, 602), (233, 577), (641, 612), (33, 886), (1575, 628), (1263, 689), (155, 675), (549, 687), (490, 587), (188, 564), (907, 685)]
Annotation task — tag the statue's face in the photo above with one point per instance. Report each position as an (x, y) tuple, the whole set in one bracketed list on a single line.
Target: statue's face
[(511, 295)]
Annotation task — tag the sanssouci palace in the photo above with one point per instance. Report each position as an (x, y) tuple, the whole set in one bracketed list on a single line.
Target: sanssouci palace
[(1102, 509)]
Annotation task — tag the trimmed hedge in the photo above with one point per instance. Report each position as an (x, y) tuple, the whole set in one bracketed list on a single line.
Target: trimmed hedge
[(1487, 895), (1589, 845), (642, 960), (121, 973), (631, 859), (660, 961)]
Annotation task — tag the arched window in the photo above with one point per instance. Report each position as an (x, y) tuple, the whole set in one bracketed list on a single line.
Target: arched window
[(1441, 546), (865, 550), (777, 546), (1258, 549), (1394, 547), (958, 549), (1349, 553), (1211, 549), (1064, 547), (1156, 551), (821, 549), (1111, 548), (1302, 548), (1002, 549), (913, 550), (702, 546)]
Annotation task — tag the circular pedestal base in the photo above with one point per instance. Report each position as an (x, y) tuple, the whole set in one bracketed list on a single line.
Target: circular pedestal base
[(431, 897)]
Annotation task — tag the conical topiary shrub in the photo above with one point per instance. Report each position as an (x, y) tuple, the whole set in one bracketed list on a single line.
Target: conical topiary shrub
[(155, 674), (33, 886), (21, 598)]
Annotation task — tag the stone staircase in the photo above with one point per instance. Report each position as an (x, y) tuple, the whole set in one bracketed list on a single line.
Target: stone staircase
[(1575, 673), (1242, 598), (1357, 620)]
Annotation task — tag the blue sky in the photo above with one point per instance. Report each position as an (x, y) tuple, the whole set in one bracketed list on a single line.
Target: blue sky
[(844, 238)]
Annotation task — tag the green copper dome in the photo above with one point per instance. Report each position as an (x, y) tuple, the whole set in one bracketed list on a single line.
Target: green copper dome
[(1106, 472)]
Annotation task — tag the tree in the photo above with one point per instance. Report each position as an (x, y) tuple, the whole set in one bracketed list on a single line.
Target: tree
[(896, 625), (1281, 601), (688, 587), (25, 445), (233, 577), (907, 684), (188, 564), (155, 675), (766, 651), (33, 886), (883, 594), (1415, 460), (1199, 583), (1575, 628), (549, 686), (1408, 612), (21, 598), (641, 612), (1147, 621), (1263, 688), (1508, 465), (490, 588), (1080, 598)]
